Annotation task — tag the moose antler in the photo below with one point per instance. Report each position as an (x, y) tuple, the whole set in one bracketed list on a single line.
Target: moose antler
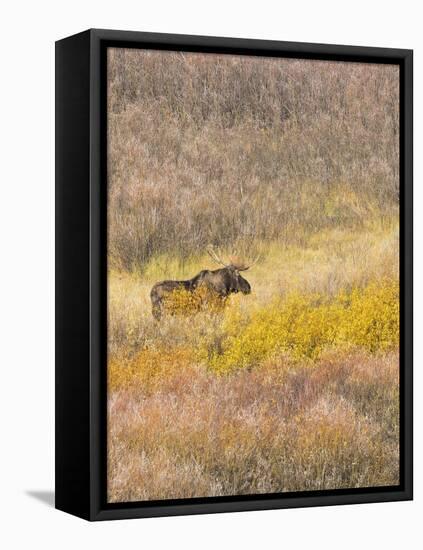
[(214, 255), (235, 261), (245, 267)]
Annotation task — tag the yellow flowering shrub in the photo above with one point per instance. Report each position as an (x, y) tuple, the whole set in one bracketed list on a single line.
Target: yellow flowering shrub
[(183, 302), (372, 316), (148, 369), (304, 325)]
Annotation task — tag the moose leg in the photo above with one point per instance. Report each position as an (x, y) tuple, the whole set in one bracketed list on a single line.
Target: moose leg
[(156, 303), (157, 310)]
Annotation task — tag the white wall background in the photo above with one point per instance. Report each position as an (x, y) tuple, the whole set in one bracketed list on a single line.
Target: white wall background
[(28, 32)]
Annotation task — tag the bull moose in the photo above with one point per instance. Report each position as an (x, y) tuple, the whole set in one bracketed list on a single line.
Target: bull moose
[(220, 282)]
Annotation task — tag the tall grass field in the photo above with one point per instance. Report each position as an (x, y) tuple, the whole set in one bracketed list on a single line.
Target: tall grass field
[(293, 163)]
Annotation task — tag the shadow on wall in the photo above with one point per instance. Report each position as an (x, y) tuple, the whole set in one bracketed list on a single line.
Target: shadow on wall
[(46, 497)]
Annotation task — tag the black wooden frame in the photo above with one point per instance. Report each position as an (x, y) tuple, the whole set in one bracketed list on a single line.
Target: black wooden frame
[(81, 274)]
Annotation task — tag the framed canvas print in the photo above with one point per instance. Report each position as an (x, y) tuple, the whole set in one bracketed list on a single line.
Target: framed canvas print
[(233, 274)]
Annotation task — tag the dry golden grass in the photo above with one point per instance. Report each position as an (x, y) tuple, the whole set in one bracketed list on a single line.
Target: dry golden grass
[(326, 264)]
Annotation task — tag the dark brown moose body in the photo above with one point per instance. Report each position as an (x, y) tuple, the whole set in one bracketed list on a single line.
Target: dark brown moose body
[(220, 282)]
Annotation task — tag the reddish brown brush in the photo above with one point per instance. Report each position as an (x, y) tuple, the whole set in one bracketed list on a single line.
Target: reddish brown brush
[(281, 427)]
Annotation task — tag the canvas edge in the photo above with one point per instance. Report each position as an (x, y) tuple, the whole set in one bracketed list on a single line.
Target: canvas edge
[(72, 392)]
